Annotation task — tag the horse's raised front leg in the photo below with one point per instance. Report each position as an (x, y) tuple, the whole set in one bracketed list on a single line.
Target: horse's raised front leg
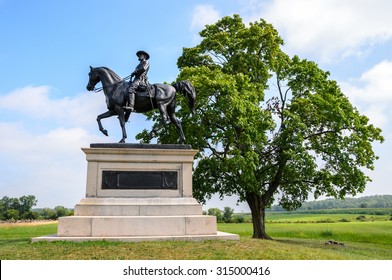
[(155, 129), (104, 116)]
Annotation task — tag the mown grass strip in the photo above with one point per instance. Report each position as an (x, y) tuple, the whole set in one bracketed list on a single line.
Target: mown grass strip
[(363, 240)]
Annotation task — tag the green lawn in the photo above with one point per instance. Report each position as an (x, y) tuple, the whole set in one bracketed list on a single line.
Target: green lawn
[(295, 217), (292, 241)]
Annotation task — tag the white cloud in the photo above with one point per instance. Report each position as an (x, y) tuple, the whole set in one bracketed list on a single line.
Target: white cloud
[(41, 140), (202, 15), (328, 29), (50, 166), (39, 103), (372, 92)]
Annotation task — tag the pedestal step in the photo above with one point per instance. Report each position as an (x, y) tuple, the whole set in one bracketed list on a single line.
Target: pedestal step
[(218, 236), (137, 207), (117, 226)]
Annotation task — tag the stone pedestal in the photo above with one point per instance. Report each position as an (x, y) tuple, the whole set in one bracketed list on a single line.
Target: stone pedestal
[(138, 192)]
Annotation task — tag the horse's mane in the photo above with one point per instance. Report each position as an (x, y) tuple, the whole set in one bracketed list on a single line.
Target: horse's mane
[(111, 72)]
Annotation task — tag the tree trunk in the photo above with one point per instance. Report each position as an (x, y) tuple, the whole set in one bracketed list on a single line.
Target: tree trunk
[(257, 209)]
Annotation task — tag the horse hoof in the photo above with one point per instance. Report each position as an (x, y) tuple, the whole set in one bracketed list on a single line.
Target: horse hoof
[(105, 132), (166, 121), (122, 141)]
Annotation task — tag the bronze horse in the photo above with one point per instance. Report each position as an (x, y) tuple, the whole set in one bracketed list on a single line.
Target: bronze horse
[(159, 96)]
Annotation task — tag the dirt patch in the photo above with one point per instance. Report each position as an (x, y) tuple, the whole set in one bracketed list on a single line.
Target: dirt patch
[(26, 223)]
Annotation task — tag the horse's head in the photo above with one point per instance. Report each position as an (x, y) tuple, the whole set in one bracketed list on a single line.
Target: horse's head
[(94, 79)]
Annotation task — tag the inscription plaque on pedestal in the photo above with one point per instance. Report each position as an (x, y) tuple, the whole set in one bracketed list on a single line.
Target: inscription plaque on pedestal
[(140, 180)]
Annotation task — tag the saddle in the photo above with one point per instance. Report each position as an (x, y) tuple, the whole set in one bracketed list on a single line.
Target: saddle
[(145, 91)]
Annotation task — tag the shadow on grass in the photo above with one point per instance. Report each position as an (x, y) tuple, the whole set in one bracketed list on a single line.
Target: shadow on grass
[(14, 240)]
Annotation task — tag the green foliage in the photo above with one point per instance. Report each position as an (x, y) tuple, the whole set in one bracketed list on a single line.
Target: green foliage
[(239, 219), (228, 214), (301, 137), (11, 214), (48, 214), (217, 213), (21, 209), (61, 211), (17, 208), (53, 214)]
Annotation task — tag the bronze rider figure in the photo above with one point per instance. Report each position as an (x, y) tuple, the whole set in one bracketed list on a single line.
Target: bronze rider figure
[(140, 81)]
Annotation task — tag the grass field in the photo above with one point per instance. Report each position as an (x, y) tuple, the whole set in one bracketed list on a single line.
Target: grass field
[(296, 237)]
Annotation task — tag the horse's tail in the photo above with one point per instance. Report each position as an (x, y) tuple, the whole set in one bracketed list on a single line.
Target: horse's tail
[(187, 89)]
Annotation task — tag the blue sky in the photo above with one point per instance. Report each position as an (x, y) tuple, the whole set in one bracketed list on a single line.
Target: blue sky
[(46, 114)]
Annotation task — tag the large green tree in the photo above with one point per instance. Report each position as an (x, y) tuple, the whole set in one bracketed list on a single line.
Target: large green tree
[(17, 208), (268, 126)]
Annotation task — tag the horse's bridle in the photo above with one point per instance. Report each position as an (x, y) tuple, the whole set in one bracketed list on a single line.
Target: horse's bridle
[(102, 88)]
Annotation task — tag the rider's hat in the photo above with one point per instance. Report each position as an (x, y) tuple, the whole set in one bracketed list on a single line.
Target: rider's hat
[(143, 52)]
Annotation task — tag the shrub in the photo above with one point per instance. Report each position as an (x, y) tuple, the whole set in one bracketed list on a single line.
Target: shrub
[(325, 221), (216, 212), (241, 219), (228, 214), (360, 218), (12, 214)]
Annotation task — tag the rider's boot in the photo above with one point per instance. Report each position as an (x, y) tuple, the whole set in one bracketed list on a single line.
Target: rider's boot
[(131, 102)]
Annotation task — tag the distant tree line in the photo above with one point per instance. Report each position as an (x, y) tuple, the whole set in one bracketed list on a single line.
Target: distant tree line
[(13, 209), (224, 216), (370, 205), (375, 201), (227, 215)]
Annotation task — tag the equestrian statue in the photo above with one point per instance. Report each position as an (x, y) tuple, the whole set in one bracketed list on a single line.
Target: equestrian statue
[(138, 95)]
